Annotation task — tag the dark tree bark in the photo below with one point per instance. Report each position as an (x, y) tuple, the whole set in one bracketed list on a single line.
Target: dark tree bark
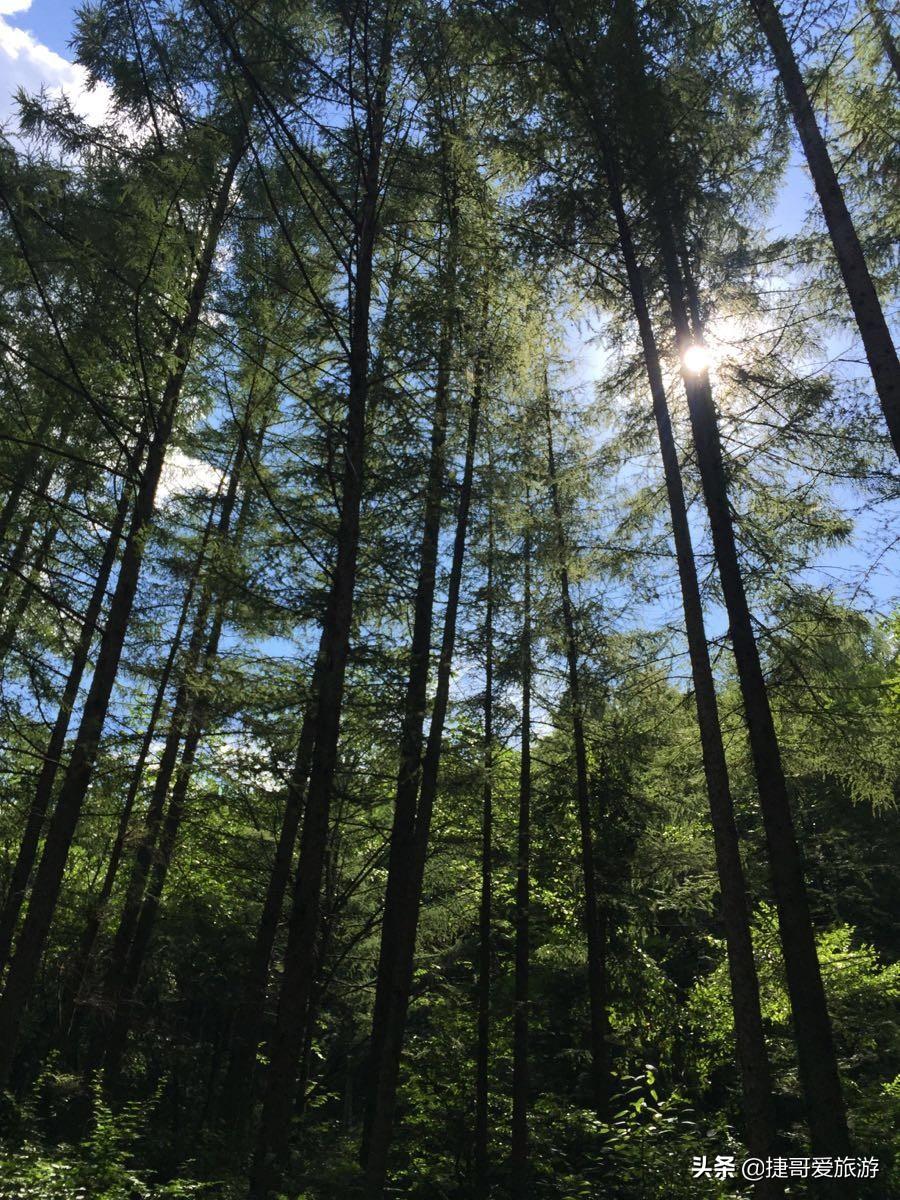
[(25, 469), (876, 338), (319, 988), (48, 881), (135, 932), (36, 564), (142, 860), (382, 1123), (13, 566), (152, 859), (519, 1148), (237, 1094), (888, 44), (594, 926), (81, 963), (270, 1157), (812, 1025), (753, 1059), (237, 1089), (402, 840), (79, 773), (125, 996), (28, 846), (483, 986)]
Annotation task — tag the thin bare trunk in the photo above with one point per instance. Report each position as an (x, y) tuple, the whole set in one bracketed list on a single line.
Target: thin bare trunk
[(31, 836), (752, 1054), (153, 856), (483, 1028), (81, 964), (12, 567), (381, 1131), (812, 1025), (270, 1157), (237, 1090), (24, 473), (402, 840), (126, 994), (876, 338), (36, 565), (48, 881), (593, 923), (521, 1090)]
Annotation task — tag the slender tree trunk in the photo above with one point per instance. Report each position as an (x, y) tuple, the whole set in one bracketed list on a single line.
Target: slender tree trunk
[(126, 994), (35, 567), (134, 935), (812, 1025), (152, 860), (270, 1157), (519, 1149), (237, 1090), (48, 880), (876, 338), (319, 988), (389, 1066), (25, 472), (309, 1032), (402, 840), (28, 847), (114, 978), (181, 712), (888, 44), (12, 568), (25, 962), (752, 1055), (594, 926), (483, 1029), (142, 862), (81, 964)]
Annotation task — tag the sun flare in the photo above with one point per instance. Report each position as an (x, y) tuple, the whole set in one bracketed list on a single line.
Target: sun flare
[(696, 359)]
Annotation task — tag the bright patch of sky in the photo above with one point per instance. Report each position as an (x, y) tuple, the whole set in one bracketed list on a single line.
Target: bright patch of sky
[(181, 473), (863, 571), (793, 200), (33, 54)]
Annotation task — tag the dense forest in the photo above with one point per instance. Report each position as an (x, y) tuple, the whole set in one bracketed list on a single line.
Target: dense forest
[(449, 680)]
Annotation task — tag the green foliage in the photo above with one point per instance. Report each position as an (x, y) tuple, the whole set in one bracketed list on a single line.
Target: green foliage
[(863, 998), (497, 250), (102, 1166)]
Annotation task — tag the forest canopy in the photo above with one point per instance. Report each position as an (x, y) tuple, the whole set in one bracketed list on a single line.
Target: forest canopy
[(449, 628)]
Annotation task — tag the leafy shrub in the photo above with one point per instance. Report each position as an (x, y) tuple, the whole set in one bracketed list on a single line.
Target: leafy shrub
[(97, 1168)]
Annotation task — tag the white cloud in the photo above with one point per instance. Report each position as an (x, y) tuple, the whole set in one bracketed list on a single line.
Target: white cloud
[(27, 63), (181, 474)]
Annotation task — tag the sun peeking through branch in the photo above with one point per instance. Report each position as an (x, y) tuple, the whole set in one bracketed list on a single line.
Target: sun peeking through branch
[(696, 359)]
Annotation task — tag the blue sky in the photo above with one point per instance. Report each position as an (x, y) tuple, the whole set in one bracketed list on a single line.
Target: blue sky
[(34, 51), (34, 36), (49, 20)]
